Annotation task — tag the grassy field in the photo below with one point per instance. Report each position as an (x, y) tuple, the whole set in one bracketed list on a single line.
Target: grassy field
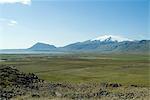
[(115, 68)]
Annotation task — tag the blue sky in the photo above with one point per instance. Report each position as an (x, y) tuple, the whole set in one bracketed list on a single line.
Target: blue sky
[(61, 22)]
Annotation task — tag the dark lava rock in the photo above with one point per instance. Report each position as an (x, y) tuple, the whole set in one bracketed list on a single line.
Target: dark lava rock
[(113, 85), (13, 82), (36, 95), (130, 95), (134, 85), (101, 93)]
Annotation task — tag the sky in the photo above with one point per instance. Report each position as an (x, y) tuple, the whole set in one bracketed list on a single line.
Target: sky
[(61, 22)]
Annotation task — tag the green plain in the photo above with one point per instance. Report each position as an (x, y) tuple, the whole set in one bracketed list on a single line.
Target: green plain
[(126, 69)]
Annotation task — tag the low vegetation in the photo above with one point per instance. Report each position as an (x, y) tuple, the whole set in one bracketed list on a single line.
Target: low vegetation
[(74, 76)]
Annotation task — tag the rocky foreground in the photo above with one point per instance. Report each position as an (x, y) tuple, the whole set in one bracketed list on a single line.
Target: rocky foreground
[(21, 86)]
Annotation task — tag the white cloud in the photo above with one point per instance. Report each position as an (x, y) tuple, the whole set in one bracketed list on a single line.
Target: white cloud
[(12, 23), (25, 2), (7, 22)]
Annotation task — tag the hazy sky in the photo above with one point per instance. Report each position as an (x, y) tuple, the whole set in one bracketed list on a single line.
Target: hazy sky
[(60, 22)]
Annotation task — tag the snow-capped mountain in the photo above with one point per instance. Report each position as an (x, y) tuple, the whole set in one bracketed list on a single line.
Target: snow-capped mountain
[(111, 38), (110, 43)]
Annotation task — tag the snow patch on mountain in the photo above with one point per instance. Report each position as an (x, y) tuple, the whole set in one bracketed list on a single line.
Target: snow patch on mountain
[(111, 38)]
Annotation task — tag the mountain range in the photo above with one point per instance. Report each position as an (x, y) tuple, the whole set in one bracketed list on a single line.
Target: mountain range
[(102, 44)]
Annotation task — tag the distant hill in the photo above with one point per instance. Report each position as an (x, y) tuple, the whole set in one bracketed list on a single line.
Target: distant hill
[(42, 47)]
